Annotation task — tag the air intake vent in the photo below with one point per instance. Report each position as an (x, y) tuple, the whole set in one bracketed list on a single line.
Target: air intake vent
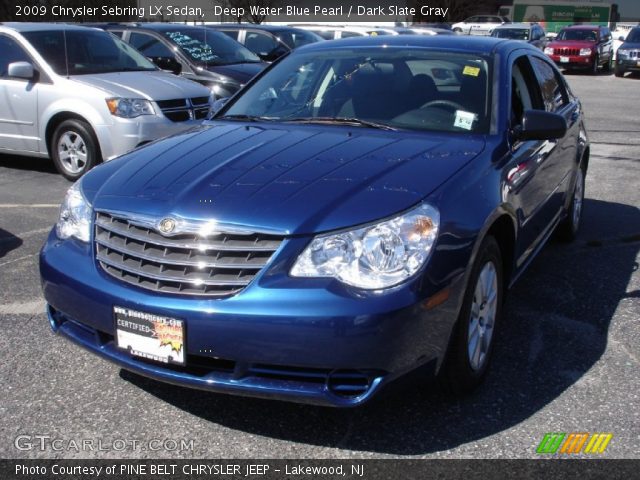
[(218, 265)]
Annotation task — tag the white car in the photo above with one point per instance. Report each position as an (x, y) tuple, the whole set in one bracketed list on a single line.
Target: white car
[(80, 95), (330, 32), (479, 24)]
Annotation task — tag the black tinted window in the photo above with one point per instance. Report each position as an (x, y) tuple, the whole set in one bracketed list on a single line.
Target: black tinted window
[(231, 34), (260, 43), (149, 46), (553, 93), (10, 52)]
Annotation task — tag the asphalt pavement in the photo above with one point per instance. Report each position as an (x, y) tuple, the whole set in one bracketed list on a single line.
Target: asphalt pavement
[(567, 359)]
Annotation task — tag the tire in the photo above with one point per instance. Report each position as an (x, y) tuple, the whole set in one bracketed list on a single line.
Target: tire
[(74, 149), (619, 72), (567, 230), (594, 68), (467, 362), (608, 67)]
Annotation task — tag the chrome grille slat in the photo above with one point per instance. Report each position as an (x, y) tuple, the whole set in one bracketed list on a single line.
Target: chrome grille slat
[(183, 263), (183, 109)]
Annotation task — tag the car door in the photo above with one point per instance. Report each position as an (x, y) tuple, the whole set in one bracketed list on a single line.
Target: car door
[(18, 101), (562, 164), (527, 173)]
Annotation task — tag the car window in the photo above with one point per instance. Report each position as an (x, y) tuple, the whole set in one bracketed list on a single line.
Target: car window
[(296, 38), (553, 93), (634, 36), (150, 46), (86, 51), (206, 46), (10, 52), (231, 34), (512, 33), (117, 33), (394, 87), (347, 34), (260, 43), (578, 34), (525, 91)]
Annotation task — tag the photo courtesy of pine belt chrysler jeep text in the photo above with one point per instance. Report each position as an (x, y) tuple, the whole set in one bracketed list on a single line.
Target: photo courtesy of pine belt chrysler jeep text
[(356, 213)]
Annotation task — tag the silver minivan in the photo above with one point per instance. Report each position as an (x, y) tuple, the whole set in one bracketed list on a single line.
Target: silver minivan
[(80, 95)]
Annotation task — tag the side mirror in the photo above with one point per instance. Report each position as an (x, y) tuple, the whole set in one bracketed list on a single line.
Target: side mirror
[(168, 64), (22, 70), (273, 55), (540, 125), (621, 38)]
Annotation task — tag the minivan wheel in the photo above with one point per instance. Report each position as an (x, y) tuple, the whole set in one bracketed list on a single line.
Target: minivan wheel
[(74, 149), (567, 231), (471, 346)]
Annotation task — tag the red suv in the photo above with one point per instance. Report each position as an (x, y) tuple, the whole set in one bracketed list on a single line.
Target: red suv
[(582, 47)]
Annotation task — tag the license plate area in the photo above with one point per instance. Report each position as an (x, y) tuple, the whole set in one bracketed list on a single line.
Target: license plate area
[(564, 59), (146, 335)]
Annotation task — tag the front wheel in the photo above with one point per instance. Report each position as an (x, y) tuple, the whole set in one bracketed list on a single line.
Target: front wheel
[(469, 355), (594, 68), (74, 149), (568, 230), (608, 67), (619, 72)]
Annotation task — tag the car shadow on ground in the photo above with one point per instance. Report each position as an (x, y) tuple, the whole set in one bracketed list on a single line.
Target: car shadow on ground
[(557, 321), (8, 242), (18, 162)]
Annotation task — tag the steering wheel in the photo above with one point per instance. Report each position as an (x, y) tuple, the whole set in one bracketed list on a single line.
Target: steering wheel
[(443, 103)]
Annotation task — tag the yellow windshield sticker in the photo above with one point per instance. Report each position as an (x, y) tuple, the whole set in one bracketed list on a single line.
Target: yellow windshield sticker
[(472, 71)]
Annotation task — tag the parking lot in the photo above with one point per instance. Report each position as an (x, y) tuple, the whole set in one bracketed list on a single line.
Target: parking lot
[(567, 359)]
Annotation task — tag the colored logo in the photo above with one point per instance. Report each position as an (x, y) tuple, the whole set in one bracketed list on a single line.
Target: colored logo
[(570, 443)]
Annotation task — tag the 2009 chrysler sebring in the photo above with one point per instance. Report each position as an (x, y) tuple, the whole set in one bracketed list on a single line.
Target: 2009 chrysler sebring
[(357, 212)]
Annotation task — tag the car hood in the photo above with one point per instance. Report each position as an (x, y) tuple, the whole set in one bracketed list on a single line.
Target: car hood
[(291, 179), (240, 72), (150, 85), (630, 45), (571, 44)]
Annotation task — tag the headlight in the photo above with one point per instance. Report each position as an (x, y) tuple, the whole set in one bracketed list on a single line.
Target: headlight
[(75, 215), (130, 107), (376, 256), (585, 52), (548, 51), (623, 53)]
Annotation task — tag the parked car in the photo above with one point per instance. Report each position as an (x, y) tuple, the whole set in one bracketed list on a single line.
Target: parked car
[(79, 96), (329, 32), (195, 52), (269, 42), (582, 47), (628, 57), (479, 24), (313, 245), (532, 33), (422, 31)]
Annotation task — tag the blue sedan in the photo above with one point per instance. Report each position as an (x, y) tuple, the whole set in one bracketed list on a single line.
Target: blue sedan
[(358, 212)]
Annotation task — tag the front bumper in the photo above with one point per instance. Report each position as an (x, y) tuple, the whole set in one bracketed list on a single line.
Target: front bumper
[(315, 342), (573, 61), (628, 65), (125, 134)]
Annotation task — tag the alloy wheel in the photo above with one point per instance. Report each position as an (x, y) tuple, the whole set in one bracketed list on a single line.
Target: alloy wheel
[(482, 320), (72, 152)]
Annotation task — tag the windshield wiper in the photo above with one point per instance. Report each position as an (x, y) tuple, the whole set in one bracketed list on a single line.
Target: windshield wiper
[(341, 121), (245, 118)]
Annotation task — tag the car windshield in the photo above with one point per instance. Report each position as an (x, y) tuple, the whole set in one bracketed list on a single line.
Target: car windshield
[(84, 52), (634, 36), (578, 35), (388, 88), (207, 47), (297, 38), (512, 33)]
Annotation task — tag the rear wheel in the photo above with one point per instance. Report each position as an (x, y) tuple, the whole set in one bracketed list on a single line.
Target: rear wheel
[(473, 338), (608, 67), (568, 230), (74, 149)]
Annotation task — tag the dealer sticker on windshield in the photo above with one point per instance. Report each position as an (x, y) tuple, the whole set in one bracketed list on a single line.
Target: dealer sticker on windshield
[(150, 336), (464, 119)]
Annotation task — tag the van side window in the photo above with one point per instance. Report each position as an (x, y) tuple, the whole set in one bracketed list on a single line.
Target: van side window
[(10, 52)]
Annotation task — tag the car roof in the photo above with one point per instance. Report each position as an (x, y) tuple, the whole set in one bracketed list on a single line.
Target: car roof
[(39, 27), (155, 26), (583, 27), (468, 43), (514, 25), (268, 28)]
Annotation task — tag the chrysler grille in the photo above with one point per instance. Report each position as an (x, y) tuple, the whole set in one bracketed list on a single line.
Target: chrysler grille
[(183, 109), (221, 264)]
